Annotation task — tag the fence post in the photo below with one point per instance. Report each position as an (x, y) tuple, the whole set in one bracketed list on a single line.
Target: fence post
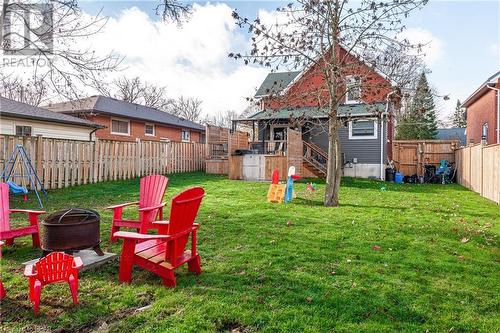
[(38, 158)]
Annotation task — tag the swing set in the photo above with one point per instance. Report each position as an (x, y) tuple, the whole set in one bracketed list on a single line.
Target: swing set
[(19, 167)]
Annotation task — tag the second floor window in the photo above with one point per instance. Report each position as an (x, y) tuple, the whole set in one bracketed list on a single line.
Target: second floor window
[(149, 129), (120, 127), (353, 89), (185, 136), (23, 130)]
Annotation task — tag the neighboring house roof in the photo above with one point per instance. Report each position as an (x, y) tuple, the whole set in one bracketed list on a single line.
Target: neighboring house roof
[(118, 108), (491, 81), (346, 110), (275, 83), (11, 108), (452, 134)]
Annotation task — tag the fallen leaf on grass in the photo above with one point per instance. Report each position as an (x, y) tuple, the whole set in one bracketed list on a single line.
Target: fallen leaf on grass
[(353, 285), (461, 258), (289, 223), (376, 248), (309, 299), (464, 240)]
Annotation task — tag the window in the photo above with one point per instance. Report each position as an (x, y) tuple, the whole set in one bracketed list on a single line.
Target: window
[(23, 130), (484, 132), (149, 129), (362, 129), (353, 89), (185, 136), (120, 127), (278, 133)]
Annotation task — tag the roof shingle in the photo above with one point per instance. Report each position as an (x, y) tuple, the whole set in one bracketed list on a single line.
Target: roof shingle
[(9, 107), (124, 109)]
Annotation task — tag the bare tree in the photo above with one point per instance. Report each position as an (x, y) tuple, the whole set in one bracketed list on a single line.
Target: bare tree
[(135, 90), (173, 10), (48, 39), (130, 90), (186, 107), (222, 119), (334, 40), (26, 91)]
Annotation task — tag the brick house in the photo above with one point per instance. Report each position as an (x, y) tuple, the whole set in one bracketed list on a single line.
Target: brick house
[(483, 112), (125, 121), (299, 100)]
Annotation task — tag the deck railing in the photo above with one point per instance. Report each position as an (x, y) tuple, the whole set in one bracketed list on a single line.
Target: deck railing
[(272, 147)]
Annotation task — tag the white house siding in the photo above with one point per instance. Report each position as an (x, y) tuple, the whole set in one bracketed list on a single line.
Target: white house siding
[(46, 129)]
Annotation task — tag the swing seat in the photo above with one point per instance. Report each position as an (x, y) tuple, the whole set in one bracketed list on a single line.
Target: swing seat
[(16, 189)]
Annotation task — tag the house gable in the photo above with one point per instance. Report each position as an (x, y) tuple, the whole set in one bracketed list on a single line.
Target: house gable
[(308, 88)]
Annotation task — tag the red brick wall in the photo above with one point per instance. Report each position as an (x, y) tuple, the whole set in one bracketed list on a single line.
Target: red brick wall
[(482, 111), (310, 89), (137, 130)]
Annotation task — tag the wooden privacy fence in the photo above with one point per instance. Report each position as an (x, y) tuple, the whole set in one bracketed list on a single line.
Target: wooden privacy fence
[(478, 168), (410, 156), (63, 163)]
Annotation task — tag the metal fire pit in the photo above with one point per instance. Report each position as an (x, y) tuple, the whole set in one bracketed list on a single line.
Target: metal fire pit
[(72, 230)]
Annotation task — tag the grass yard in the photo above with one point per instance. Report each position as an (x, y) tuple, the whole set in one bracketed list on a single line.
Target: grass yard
[(407, 258)]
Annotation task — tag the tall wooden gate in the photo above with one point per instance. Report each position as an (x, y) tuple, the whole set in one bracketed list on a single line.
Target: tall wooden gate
[(410, 156)]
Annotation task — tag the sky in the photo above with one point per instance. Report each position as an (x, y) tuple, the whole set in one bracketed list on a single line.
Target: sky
[(463, 47)]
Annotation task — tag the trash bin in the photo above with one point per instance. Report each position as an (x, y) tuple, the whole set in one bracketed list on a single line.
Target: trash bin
[(389, 174), (398, 177)]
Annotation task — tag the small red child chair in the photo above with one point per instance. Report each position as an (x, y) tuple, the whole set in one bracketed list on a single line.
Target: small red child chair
[(55, 267)]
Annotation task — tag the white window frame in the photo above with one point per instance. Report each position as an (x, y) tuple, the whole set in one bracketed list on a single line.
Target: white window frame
[(189, 136), (364, 137), (20, 125), (350, 83), (119, 133), (154, 129)]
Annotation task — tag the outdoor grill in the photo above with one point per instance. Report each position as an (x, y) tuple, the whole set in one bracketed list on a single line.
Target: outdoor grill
[(72, 230)]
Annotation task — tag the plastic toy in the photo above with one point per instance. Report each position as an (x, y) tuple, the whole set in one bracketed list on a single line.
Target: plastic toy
[(276, 191), (289, 184), (311, 187)]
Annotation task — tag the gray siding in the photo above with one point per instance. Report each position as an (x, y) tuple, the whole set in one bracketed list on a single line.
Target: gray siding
[(366, 151)]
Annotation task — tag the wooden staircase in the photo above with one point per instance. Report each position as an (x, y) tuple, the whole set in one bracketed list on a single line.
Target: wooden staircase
[(315, 159)]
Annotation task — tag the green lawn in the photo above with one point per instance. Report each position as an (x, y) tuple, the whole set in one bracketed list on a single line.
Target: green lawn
[(400, 258)]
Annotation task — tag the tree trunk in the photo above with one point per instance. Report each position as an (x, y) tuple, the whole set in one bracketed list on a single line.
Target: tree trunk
[(334, 165)]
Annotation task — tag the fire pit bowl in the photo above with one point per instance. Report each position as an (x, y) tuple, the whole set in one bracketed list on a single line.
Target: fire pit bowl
[(71, 230)]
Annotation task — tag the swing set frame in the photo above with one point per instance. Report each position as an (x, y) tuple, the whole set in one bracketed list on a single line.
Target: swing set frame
[(19, 155)]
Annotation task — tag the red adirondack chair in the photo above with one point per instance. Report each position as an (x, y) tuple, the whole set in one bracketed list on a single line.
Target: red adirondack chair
[(151, 192), (2, 289), (55, 267), (6, 232), (163, 253)]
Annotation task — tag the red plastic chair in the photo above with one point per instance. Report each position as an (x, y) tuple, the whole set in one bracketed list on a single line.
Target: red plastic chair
[(55, 267), (6, 232), (163, 253), (151, 192), (2, 289)]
